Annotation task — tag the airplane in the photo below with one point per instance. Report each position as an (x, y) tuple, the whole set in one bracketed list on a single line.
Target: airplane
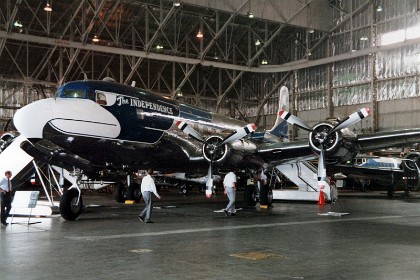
[(387, 171), (106, 130)]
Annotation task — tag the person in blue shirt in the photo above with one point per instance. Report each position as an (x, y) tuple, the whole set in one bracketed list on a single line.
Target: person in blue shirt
[(6, 196)]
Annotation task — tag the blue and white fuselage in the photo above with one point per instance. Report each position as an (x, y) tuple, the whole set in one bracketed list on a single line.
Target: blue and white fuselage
[(106, 123)]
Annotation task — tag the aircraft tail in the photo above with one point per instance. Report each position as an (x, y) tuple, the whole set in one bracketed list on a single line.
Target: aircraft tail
[(280, 128)]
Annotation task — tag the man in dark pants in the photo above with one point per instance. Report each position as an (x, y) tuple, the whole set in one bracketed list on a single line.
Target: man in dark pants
[(6, 196)]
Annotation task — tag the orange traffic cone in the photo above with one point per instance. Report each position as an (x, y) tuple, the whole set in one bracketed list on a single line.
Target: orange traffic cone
[(321, 199)]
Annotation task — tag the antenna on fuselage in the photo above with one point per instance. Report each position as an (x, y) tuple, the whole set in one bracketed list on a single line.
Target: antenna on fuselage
[(133, 83), (108, 79)]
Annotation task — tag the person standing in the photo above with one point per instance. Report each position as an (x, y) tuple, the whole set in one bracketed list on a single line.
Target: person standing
[(229, 184), (147, 188), (6, 196)]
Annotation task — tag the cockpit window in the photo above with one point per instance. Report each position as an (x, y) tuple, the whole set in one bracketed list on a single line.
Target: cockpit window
[(74, 93)]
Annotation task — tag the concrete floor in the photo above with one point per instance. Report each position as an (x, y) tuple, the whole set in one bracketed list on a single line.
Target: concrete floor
[(379, 239)]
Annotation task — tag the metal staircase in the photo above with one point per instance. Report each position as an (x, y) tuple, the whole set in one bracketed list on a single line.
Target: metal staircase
[(304, 175)]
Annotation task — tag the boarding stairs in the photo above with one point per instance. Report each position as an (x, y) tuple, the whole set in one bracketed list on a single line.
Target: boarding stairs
[(305, 176), (23, 168)]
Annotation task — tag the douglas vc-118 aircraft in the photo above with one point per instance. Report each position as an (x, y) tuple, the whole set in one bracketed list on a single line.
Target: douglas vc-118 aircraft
[(105, 129)]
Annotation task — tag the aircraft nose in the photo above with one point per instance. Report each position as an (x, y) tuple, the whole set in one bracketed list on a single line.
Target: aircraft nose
[(31, 119)]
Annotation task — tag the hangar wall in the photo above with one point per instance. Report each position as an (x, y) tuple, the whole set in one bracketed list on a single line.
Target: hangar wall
[(386, 81)]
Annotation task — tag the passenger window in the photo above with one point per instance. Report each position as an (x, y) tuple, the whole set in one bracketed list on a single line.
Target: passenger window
[(74, 93), (101, 98)]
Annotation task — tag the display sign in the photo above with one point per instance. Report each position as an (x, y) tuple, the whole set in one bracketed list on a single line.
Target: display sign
[(25, 199)]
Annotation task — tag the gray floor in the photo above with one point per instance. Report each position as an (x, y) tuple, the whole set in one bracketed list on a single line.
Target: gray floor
[(379, 239)]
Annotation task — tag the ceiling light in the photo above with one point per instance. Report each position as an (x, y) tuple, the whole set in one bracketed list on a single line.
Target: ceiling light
[(48, 8), (200, 34), (250, 15), (258, 42), (95, 39), (379, 8), (159, 47), (216, 57), (311, 30), (177, 3), (18, 24), (364, 38), (264, 62)]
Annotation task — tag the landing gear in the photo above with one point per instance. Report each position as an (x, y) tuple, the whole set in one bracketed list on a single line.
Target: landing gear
[(71, 204), (183, 189), (250, 195), (120, 193), (134, 192)]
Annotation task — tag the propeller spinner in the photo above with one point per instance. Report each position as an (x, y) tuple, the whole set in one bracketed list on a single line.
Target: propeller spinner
[(212, 147)]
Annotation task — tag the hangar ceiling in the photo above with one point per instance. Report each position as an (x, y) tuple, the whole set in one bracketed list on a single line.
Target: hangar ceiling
[(155, 44)]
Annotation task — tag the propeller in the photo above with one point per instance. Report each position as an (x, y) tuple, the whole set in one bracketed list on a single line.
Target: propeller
[(324, 136), (214, 147)]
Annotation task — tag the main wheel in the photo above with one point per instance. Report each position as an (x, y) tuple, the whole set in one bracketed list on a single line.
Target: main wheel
[(266, 196), (134, 192), (70, 208), (120, 193), (249, 196)]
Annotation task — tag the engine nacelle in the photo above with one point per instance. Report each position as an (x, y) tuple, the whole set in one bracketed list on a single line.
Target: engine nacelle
[(338, 146), (231, 152)]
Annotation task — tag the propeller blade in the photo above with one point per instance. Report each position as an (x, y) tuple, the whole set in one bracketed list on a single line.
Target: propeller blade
[(352, 119), (190, 131), (249, 128), (209, 183), (322, 171), (291, 119)]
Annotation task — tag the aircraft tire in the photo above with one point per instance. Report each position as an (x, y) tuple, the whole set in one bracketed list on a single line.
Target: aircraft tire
[(134, 192), (69, 208), (120, 193), (249, 196)]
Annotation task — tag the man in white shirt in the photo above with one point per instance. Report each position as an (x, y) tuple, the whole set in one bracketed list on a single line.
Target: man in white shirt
[(6, 196), (147, 188), (229, 184)]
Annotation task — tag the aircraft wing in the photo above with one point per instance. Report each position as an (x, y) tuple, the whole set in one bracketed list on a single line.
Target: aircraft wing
[(276, 153), (381, 174), (382, 140)]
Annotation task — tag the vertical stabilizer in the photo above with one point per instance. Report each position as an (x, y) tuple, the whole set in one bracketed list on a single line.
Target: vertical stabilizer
[(280, 128)]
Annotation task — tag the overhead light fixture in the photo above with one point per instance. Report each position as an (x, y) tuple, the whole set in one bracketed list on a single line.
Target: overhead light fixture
[(17, 23), (177, 3), (159, 47), (95, 39), (258, 42), (200, 34), (48, 8), (216, 57), (364, 38), (250, 15), (379, 8), (264, 62), (311, 30)]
